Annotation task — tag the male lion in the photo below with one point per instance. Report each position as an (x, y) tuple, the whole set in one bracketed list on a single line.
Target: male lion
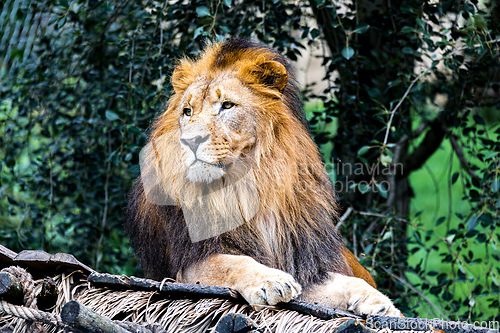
[(233, 141)]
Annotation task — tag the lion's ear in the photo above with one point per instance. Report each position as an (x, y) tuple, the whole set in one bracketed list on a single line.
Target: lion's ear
[(271, 74), (180, 76)]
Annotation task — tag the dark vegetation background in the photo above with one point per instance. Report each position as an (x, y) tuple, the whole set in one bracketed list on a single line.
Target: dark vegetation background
[(410, 83)]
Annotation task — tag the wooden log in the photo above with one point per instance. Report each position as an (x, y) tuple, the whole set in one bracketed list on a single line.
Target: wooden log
[(170, 289), (196, 291), (85, 320), (47, 298), (322, 312), (11, 289), (136, 328)]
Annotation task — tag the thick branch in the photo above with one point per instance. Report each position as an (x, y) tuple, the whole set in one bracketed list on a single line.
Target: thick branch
[(11, 289), (196, 291), (84, 319)]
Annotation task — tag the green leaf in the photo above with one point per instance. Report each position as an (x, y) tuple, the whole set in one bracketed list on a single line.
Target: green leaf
[(385, 160), (202, 11), (135, 130), (198, 31), (363, 187), (473, 222), (394, 83), (111, 116), (407, 29), (53, 20), (363, 150), (347, 52), (495, 186), (314, 33), (382, 190), (495, 281), (140, 13), (490, 155), (362, 28), (61, 22), (227, 3), (407, 50), (478, 119), (479, 22), (440, 220)]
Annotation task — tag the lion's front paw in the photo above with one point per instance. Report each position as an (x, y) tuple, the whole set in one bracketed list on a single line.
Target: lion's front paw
[(269, 288), (353, 294), (364, 301)]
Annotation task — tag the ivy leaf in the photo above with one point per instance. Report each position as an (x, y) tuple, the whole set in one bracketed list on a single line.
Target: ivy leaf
[(490, 155), (347, 52), (440, 220), (314, 33), (111, 116), (198, 31), (478, 119), (61, 22), (473, 222), (363, 187), (382, 190), (479, 22), (362, 28), (495, 186), (53, 20), (363, 150), (202, 11), (385, 160)]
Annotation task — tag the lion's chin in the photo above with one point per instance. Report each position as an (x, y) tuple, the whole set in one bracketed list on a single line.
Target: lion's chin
[(201, 172)]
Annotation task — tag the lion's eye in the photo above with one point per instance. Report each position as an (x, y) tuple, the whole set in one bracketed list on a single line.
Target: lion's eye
[(187, 112), (227, 105)]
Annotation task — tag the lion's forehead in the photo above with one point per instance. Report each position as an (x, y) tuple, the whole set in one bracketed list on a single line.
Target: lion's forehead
[(206, 90)]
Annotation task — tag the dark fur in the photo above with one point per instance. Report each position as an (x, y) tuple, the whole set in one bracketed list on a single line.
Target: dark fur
[(160, 237)]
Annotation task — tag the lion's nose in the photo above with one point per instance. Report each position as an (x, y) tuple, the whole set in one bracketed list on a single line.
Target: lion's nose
[(194, 143)]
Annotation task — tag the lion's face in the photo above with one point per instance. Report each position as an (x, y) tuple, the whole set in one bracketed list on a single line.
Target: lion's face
[(218, 126)]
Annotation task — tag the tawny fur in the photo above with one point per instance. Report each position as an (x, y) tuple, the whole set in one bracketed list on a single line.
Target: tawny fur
[(291, 241)]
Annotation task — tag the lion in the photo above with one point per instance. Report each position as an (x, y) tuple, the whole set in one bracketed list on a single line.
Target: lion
[(234, 140)]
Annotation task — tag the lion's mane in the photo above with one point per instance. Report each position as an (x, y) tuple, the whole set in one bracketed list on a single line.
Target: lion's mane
[(296, 197)]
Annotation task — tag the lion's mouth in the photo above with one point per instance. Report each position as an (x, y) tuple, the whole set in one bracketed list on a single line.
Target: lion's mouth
[(220, 165)]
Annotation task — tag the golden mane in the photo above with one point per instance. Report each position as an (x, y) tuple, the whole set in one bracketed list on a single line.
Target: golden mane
[(297, 205)]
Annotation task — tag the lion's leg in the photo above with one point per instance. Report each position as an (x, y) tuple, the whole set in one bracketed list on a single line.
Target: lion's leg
[(357, 269), (257, 283), (351, 293)]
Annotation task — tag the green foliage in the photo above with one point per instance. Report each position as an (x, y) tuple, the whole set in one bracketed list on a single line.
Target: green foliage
[(82, 81), (389, 64), (77, 104)]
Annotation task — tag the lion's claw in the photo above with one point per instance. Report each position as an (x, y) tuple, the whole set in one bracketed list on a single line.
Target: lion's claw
[(270, 288)]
